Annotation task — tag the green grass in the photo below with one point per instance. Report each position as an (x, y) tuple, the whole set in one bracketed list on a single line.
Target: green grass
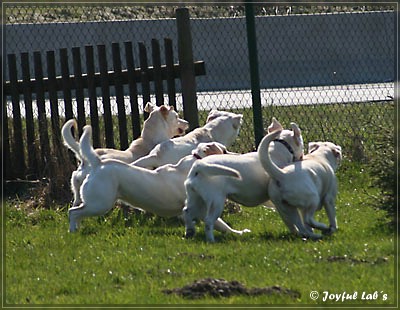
[(111, 261), (108, 262)]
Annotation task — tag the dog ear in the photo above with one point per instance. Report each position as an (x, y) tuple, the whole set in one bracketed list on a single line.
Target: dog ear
[(164, 110), (213, 114), (237, 121), (337, 151), (296, 130), (171, 108), (296, 134), (313, 146), (149, 107), (221, 148), (210, 149), (275, 125)]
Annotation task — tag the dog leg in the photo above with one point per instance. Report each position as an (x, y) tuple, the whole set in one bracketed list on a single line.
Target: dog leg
[(309, 219), (294, 221), (193, 210), (305, 225), (214, 210), (75, 186), (190, 229), (287, 216), (331, 212), (209, 228), (74, 216)]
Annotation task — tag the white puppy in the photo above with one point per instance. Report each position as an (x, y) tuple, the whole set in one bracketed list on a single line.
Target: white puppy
[(221, 127), (301, 188), (215, 178), (159, 191), (162, 124)]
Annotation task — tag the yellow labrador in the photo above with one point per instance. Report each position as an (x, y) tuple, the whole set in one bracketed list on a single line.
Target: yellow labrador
[(301, 188), (159, 191), (216, 178), (162, 124), (222, 127)]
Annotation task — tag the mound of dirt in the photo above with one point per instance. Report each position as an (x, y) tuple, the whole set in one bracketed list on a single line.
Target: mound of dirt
[(222, 288)]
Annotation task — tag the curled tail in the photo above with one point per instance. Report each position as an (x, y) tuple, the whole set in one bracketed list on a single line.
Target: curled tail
[(270, 167), (69, 140), (87, 149), (214, 170)]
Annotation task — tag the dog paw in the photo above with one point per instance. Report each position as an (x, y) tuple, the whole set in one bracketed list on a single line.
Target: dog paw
[(316, 237), (189, 233), (313, 236), (329, 231)]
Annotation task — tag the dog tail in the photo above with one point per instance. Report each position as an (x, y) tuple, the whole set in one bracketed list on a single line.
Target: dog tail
[(214, 170), (270, 167), (69, 140), (87, 149)]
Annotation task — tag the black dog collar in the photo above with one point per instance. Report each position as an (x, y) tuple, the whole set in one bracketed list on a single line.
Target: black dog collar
[(197, 156), (287, 145)]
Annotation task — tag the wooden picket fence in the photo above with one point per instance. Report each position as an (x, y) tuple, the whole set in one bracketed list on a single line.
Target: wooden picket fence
[(24, 156)]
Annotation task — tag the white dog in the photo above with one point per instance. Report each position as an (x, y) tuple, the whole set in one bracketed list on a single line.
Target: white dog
[(216, 178), (301, 188), (222, 127), (159, 191), (162, 124)]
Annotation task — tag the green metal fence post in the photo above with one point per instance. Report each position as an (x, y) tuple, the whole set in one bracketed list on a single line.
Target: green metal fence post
[(254, 75)]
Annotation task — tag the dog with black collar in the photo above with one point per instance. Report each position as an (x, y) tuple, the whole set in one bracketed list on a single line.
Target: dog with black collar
[(159, 191), (300, 189), (240, 178)]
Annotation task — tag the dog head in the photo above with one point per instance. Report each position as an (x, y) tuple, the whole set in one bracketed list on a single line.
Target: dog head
[(210, 148), (175, 126), (224, 126), (330, 150), (215, 113), (292, 139)]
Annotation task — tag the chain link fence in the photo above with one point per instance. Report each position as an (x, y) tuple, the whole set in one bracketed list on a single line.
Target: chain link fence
[(331, 69)]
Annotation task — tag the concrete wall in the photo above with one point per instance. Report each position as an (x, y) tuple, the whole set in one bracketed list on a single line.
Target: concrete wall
[(296, 50)]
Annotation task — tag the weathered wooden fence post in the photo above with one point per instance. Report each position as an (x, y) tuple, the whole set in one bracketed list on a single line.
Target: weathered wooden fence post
[(169, 63), (105, 93), (130, 63), (188, 81), (254, 75), (5, 145), (144, 76), (33, 165), (19, 158), (94, 114), (119, 90)]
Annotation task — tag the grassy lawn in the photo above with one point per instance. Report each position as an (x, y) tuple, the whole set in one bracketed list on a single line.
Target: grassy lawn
[(116, 261), (112, 262)]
